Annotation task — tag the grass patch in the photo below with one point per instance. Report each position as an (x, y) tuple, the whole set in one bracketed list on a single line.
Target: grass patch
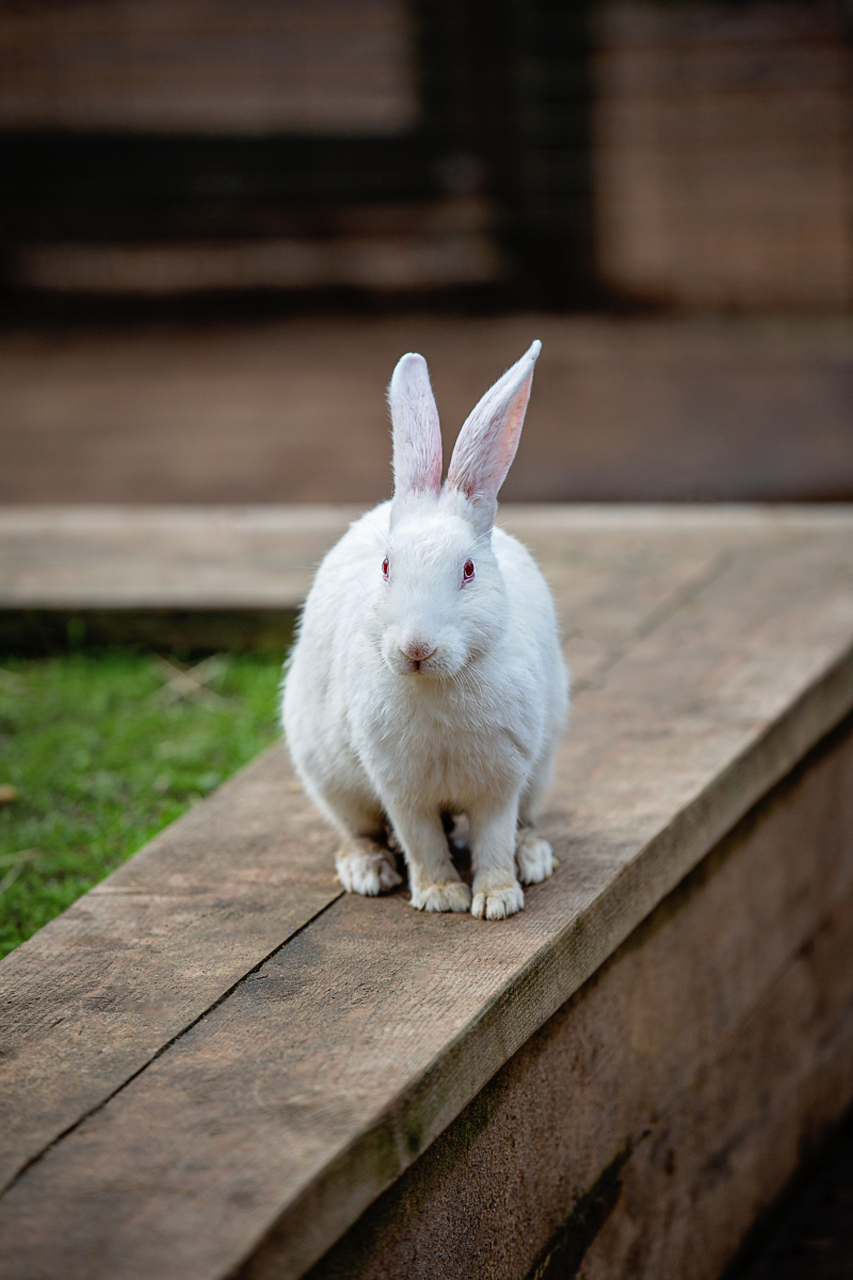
[(100, 765)]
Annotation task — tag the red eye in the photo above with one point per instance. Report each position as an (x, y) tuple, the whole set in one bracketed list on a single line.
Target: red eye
[(468, 571), (385, 568)]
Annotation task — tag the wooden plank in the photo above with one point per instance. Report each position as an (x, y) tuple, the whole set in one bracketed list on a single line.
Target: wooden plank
[(716, 185), (76, 1017), (98, 992), (666, 407), (136, 547), (184, 557), (319, 1079), (208, 557), (683, 1082)]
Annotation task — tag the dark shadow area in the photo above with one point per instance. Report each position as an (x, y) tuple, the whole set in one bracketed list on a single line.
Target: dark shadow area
[(188, 633), (807, 1233)]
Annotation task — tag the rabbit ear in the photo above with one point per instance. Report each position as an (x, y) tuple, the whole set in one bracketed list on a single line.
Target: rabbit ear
[(489, 438), (417, 437)]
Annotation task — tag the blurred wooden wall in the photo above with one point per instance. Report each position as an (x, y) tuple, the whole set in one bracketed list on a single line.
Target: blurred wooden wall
[(678, 153), (208, 66), (722, 153), (381, 146), (153, 147)]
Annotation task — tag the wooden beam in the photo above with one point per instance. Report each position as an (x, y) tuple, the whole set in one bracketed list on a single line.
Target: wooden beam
[(277, 1055), (648, 1123)]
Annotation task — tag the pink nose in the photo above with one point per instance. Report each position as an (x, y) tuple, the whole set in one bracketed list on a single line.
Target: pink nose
[(417, 649)]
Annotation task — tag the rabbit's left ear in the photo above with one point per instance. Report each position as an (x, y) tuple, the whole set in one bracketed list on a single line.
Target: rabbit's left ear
[(489, 438), (416, 431)]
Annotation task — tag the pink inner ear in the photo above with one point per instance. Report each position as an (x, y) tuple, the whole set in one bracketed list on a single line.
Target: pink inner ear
[(508, 432), (489, 439)]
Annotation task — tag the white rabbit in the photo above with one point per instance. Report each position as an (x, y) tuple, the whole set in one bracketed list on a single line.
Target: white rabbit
[(427, 680)]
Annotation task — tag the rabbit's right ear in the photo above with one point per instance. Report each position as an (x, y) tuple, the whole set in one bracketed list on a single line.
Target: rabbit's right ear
[(417, 437)]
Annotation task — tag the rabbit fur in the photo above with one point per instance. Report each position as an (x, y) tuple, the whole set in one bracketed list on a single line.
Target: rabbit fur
[(427, 679)]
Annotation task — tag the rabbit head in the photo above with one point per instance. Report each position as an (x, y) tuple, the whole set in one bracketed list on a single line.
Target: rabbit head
[(442, 599)]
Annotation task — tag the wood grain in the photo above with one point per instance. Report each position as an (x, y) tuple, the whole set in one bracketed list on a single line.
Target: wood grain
[(721, 654), (214, 557), (696, 1065), (98, 992), (103, 556)]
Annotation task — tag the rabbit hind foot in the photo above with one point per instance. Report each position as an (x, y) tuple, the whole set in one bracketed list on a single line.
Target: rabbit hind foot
[(533, 857)]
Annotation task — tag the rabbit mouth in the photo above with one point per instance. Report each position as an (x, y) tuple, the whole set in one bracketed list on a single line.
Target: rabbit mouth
[(416, 666), (406, 666)]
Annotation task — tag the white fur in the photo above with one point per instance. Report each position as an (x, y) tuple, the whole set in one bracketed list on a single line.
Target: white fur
[(425, 695)]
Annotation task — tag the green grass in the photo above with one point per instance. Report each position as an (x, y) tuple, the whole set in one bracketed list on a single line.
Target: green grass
[(100, 765)]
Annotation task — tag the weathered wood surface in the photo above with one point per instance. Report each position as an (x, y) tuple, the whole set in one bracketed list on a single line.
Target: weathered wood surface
[(187, 557), (101, 990), (651, 1119), (710, 653), (104, 556)]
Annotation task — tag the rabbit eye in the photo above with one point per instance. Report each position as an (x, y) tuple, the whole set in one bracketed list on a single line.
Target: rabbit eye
[(468, 571), (385, 568)]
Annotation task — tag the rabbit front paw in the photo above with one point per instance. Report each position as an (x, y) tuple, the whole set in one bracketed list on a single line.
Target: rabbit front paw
[(454, 895), (365, 867), (498, 903), (533, 857)]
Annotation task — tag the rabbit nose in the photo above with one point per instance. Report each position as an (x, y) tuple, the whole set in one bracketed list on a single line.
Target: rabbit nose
[(417, 649)]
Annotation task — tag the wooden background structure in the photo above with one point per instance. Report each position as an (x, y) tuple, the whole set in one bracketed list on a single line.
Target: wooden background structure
[(608, 151), (643, 409), (723, 150)]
